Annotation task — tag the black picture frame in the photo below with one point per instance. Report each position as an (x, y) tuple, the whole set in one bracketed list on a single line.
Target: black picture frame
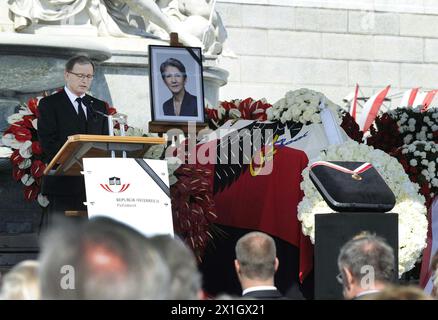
[(162, 92)]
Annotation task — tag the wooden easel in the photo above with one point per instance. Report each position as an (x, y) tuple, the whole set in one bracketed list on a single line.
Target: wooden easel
[(161, 127)]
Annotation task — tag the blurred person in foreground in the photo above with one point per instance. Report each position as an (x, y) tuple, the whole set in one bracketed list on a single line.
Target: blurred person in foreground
[(101, 259), (21, 282), (392, 292), (186, 280)]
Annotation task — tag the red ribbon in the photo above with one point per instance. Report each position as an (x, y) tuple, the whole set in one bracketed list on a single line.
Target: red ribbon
[(364, 167)]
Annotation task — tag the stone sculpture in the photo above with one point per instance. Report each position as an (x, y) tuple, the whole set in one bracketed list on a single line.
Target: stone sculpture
[(195, 21)]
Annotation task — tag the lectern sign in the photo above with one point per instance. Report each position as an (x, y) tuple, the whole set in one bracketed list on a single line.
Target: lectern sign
[(132, 191)]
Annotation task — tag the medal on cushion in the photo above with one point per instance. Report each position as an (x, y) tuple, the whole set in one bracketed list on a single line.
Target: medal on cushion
[(357, 177)]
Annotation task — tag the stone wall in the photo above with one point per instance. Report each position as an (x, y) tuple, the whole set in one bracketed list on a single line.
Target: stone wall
[(329, 46)]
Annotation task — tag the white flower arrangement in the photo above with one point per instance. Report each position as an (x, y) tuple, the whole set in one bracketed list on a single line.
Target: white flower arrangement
[(302, 106), (424, 156), (5, 152), (23, 149), (409, 203), (414, 124)]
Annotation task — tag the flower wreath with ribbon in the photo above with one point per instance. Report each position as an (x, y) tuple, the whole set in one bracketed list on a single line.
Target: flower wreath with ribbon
[(409, 203), (192, 205), (26, 157)]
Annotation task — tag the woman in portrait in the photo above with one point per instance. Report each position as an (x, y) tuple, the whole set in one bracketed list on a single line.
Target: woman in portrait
[(182, 103)]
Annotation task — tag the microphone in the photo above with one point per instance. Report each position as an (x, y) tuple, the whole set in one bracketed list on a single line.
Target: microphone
[(93, 111), (119, 117)]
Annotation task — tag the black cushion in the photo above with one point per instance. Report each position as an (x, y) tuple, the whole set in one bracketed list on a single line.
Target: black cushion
[(344, 192)]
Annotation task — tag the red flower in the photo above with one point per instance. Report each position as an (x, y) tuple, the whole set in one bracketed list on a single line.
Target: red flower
[(117, 126), (33, 106), (16, 158), (17, 173), (404, 163), (425, 190), (260, 105), (31, 192), (193, 206), (22, 134), (212, 114), (9, 130), (37, 168), (36, 148), (262, 117), (246, 104), (352, 128), (110, 110), (387, 136), (27, 121), (228, 105), (249, 109)]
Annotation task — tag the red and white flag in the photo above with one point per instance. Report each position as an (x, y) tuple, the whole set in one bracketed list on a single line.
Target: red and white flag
[(428, 99), (408, 98), (419, 99), (371, 108), (353, 107)]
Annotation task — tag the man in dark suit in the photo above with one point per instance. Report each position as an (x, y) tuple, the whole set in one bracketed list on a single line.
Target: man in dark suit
[(366, 264), (182, 102), (71, 111), (256, 263), (68, 112)]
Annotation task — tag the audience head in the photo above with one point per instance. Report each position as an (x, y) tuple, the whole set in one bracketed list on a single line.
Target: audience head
[(101, 259), (21, 282), (186, 280), (366, 263), (256, 261), (392, 292)]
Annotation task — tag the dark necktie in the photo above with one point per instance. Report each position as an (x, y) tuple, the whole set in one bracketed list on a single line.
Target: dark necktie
[(81, 116)]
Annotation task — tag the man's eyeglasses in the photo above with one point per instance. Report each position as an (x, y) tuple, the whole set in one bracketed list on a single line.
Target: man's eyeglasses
[(339, 278), (82, 76)]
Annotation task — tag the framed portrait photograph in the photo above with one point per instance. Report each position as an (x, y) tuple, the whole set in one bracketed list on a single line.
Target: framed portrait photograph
[(176, 84)]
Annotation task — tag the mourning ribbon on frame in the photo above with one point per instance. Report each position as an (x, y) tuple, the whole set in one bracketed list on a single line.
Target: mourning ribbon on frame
[(154, 176)]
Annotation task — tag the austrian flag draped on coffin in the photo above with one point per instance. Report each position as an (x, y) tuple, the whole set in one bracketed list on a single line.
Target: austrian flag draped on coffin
[(247, 198)]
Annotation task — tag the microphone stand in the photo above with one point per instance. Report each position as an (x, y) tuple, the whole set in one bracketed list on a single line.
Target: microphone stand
[(120, 118)]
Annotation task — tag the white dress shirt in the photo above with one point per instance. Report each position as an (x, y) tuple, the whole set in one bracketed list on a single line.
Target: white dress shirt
[(258, 288), (73, 98)]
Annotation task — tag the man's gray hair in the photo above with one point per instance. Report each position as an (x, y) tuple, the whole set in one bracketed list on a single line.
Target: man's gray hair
[(186, 280), (256, 253), (368, 250), (101, 259)]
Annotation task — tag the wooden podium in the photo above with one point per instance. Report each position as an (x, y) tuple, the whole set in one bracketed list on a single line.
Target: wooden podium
[(63, 183), (68, 160)]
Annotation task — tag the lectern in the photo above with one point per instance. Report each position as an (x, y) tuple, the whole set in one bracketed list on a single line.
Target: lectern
[(63, 183)]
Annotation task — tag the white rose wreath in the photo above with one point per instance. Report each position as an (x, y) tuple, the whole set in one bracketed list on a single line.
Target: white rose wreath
[(409, 203)]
